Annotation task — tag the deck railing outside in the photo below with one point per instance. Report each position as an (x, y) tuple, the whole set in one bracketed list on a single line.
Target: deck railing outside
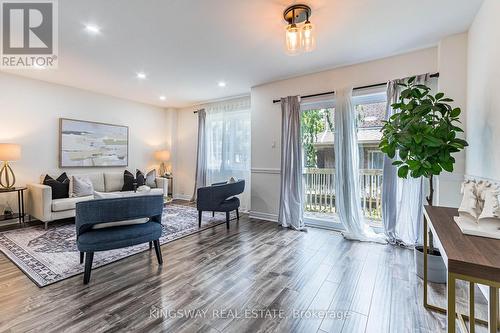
[(319, 186)]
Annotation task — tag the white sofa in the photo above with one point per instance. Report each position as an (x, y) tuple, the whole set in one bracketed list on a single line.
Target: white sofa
[(42, 207)]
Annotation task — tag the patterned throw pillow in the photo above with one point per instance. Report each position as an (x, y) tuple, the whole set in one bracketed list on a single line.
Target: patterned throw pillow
[(128, 181), (140, 178)]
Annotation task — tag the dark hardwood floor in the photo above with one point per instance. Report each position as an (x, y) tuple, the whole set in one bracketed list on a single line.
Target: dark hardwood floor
[(255, 277)]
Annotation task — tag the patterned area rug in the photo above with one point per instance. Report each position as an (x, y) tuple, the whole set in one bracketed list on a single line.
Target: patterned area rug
[(49, 256)]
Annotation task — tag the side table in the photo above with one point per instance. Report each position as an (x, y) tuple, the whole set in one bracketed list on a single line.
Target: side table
[(20, 204)]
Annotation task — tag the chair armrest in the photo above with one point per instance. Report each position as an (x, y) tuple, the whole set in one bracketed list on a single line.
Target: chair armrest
[(40, 201), (162, 183)]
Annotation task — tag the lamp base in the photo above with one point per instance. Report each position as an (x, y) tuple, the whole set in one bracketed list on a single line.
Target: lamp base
[(7, 177)]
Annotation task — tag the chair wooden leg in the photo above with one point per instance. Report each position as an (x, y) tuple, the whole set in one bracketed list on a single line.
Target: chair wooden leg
[(89, 257), (199, 218), (82, 255), (150, 245), (237, 214), (158, 251), (227, 220)]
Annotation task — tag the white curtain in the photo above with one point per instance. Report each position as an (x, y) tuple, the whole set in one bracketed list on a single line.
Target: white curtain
[(402, 199), (201, 155), (291, 211), (228, 142), (347, 187)]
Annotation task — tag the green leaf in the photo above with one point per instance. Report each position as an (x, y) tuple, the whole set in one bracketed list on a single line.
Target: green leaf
[(455, 112), (403, 171), (439, 95)]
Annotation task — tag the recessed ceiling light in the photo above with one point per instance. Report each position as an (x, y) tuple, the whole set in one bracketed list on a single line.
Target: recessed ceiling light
[(162, 98), (221, 84), (141, 75), (92, 28)]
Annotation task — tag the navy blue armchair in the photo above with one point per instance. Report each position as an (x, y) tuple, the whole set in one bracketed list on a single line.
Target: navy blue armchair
[(109, 224), (219, 197)]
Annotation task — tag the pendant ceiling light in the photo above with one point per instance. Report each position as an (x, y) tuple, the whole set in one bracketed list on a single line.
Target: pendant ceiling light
[(299, 35)]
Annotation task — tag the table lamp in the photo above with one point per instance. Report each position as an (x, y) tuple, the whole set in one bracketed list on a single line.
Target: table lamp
[(162, 156), (8, 152)]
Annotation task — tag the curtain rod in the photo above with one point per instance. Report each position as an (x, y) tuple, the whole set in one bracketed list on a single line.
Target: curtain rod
[(196, 111), (435, 75)]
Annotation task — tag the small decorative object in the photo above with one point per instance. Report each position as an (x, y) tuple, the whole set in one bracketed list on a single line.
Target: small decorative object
[(91, 144), (479, 212), (299, 38), (7, 212), (8, 152), (421, 137), (162, 156)]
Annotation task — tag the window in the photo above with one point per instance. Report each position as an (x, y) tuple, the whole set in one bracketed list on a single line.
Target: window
[(228, 144)]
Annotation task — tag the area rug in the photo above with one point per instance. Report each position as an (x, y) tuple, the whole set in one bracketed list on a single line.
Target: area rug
[(49, 256)]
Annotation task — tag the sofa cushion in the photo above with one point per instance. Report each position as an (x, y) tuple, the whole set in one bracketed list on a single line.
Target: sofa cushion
[(113, 181), (97, 180), (120, 223), (59, 205), (140, 178)]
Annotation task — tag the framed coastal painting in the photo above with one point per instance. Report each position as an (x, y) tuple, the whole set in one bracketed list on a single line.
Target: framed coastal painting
[(92, 144)]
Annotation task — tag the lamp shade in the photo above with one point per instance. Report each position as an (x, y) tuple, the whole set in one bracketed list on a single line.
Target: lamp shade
[(162, 155), (10, 152)]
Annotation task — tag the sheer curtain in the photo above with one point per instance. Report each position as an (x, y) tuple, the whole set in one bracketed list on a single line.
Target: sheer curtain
[(291, 211), (402, 199), (201, 155), (228, 144), (347, 186)]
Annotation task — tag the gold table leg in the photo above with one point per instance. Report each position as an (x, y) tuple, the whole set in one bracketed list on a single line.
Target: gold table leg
[(451, 313), (493, 310), (472, 317)]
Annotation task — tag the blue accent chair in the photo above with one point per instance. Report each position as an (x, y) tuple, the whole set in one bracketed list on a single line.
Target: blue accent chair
[(220, 197), (108, 224)]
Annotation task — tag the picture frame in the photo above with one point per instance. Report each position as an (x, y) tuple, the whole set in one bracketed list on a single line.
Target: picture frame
[(88, 144)]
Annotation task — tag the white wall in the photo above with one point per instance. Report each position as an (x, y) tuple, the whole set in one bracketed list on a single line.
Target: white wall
[(30, 112), (185, 158), (452, 62), (483, 94), (266, 116)]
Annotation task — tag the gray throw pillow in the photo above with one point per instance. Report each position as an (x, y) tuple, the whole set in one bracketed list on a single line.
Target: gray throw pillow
[(151, 178), (82, 186)]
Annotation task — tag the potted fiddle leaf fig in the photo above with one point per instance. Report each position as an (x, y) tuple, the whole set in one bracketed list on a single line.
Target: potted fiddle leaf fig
[(421, 138)]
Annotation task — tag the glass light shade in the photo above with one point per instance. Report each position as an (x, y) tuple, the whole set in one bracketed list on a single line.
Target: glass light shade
[(308, 40), (162, 155), (10, 152), (293, 36)]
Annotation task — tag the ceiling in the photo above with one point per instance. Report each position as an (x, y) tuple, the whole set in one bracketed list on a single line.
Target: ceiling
[(187, 46)]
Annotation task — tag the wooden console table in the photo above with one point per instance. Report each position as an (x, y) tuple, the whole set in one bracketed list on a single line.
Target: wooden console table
[(469, 258)]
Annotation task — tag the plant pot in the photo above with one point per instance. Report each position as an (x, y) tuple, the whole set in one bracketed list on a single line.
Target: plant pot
[(436, 269)]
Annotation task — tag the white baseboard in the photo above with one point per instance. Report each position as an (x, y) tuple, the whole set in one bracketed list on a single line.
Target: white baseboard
[(182, 196), (263, 216)]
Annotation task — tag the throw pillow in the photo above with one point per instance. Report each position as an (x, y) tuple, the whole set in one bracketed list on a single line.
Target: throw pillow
[(82, 186), (151, 178), (469, 205), (140, 178), (60, 186), (128, 181)]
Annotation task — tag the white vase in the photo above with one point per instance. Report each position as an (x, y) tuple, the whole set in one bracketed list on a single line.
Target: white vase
[(436, 269)]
